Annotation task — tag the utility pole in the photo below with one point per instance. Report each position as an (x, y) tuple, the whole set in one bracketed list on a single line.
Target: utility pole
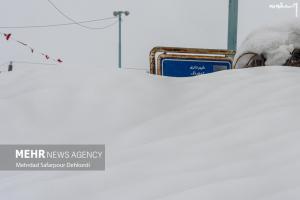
[(119, 15), (232, 24)]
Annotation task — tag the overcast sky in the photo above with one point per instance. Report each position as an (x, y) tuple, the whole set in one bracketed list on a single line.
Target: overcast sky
[(182, 23)]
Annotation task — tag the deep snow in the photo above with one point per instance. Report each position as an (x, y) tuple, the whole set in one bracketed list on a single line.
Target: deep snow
[(230, 135)]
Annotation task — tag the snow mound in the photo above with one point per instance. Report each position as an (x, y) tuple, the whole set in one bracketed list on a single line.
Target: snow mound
[(230, 135), (276, 43)]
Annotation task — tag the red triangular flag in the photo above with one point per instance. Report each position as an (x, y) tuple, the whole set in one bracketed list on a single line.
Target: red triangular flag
[(7, 36)]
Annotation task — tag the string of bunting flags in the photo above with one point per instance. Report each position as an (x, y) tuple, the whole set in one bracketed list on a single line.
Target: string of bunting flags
[(8, 37)]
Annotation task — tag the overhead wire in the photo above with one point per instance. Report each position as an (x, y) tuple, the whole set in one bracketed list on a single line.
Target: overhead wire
[(61, 24), (73, 22), (135, 68), (32, 63), (108, 26), (24, 62), (71, 19), (1, 65)]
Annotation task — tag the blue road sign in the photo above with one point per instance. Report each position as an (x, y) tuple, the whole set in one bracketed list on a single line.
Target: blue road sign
[(191, 67)]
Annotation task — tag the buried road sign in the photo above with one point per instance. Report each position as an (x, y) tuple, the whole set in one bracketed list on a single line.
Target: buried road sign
[(186, 62), (185, 67)]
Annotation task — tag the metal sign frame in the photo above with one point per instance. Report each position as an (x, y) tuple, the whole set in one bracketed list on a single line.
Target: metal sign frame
[(185, 53)]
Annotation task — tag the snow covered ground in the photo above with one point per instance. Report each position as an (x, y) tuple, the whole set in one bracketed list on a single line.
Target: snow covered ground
[(230, 135)]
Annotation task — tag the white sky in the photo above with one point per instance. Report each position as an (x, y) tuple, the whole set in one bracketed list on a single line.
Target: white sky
[(183, 23)]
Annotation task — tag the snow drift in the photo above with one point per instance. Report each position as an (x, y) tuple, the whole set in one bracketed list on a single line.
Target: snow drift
[(275, 42), (229, 135)]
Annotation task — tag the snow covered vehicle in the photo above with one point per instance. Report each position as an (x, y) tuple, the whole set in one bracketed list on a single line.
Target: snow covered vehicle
[(256, 60), (276, 45)]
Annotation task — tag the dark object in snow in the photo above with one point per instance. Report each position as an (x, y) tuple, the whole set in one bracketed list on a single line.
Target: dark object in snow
[(254, 60), (257, 60), (10, 66), (294, 60)]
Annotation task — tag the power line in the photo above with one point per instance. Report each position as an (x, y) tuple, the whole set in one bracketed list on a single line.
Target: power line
[(108, 26), (136, 68), (32, 63), (61, 24), (4, 64), (71, 19), (23, 62)]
